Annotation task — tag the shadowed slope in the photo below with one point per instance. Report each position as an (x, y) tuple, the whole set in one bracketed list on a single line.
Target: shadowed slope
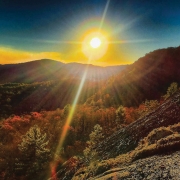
[(147, 78), (127, 138)]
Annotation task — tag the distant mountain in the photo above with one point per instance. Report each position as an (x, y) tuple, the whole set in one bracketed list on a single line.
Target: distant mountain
[(147, 78), (48, 85), (45, 70), (94, 73)]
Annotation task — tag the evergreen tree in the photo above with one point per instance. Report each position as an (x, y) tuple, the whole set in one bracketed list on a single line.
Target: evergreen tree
[(34, 153), (120, 116), (67, 109), (171, 89), (96, 137), (148, 106)]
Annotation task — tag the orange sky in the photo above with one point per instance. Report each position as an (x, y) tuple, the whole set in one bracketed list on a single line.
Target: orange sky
[(54, 30), (12, 56)]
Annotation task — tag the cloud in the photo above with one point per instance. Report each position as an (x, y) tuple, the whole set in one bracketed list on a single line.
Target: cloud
[(12, 56)]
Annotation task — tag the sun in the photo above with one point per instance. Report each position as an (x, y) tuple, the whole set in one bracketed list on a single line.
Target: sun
[(95, 42), (94, 45)]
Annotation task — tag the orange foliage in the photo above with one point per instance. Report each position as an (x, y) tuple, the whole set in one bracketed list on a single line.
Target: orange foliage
[(130, 115)]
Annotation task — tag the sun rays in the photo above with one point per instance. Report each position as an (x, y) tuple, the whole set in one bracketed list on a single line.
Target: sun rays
[(70, 116), (94, 46)]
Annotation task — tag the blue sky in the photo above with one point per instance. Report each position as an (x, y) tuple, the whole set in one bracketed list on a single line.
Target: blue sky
[(37, 29)]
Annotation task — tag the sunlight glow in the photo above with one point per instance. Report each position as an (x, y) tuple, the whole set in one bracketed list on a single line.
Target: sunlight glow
[(95, 42), (95, 45)]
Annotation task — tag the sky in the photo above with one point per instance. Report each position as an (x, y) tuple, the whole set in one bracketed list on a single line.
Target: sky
[(56, 29)]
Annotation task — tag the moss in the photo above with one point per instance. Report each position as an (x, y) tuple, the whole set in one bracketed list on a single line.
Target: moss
[(169, 139), (157, 134), (175, 128), (144, 152), (102, 167), (158, 141), (114, 176)]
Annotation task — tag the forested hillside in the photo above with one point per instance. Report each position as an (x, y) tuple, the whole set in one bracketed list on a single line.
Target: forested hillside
[(120, 116), (48, 85), (34, 137), (147, 78), (20, 98), (54, 84), (156, 133)]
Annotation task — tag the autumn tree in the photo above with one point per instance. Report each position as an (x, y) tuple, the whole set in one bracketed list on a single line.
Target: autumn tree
[(131, 115), (34, 153)]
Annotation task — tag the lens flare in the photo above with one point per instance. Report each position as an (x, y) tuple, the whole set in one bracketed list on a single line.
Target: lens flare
[(97, 40)]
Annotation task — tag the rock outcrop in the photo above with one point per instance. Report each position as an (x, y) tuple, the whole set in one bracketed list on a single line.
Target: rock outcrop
[(126, 139), (164, 167)]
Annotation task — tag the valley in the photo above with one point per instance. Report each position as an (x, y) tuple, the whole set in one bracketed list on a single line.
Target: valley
[(118, 113)]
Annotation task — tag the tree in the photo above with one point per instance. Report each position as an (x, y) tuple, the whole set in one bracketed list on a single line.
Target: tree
[(171, 90), (67, 109), (147, 107), (34, 153), (120, 115), (96, 137)]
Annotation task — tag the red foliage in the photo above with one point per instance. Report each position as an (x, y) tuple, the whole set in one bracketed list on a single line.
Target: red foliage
[(36, 115), (7, 126)]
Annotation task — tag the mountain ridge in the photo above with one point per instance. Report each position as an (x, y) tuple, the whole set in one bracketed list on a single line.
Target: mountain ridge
[(46, 69), (146, 78)]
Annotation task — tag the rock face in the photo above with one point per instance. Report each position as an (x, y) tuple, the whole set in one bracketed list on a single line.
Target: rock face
[(127, 138), (154, 168)]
